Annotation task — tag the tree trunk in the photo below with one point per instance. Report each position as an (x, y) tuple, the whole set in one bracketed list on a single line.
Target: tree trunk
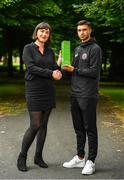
[(10, 65), (21, 61), (117, 62)]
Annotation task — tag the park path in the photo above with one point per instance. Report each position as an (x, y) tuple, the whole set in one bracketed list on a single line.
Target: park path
[(61, 144)]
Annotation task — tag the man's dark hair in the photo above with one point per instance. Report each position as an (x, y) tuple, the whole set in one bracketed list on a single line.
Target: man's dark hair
[(84, 22)]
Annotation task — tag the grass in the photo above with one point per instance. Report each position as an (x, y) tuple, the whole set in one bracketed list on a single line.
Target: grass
[(115, 91), (7, 90), (12, 98)]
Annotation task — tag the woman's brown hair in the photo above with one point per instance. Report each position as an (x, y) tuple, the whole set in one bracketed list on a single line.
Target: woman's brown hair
[(42, 25)]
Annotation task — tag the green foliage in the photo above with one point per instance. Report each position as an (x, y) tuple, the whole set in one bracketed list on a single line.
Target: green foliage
[(7, 3), (107, 14), (26, 13), (19, 17)]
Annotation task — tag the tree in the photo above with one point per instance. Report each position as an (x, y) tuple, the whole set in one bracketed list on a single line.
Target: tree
[(108, 19), (18, 18)]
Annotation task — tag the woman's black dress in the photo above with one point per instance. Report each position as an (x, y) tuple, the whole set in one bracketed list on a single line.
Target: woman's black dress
[(39, 84)]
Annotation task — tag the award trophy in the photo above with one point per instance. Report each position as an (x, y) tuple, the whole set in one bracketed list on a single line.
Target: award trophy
[(66, 54)]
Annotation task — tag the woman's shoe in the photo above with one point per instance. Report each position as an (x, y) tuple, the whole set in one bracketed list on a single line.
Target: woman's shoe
[(40, 162), (21, 162)]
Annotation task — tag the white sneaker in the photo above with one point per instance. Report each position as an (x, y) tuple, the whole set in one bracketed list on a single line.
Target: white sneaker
[(89, 168), (75, 162)]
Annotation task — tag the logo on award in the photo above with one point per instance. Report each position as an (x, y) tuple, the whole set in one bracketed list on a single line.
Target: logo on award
[(84, 56)]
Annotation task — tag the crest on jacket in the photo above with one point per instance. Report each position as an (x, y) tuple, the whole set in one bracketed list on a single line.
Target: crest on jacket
[(84, 56)]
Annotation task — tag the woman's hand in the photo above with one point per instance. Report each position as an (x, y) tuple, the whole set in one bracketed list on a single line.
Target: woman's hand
[(59, 61), (68, 68), (57, 75)]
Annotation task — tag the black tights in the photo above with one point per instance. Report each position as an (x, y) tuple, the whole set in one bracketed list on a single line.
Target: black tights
[(38, 126)]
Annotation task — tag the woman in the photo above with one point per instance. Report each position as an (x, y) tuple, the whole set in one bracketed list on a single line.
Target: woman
[(41, 71)]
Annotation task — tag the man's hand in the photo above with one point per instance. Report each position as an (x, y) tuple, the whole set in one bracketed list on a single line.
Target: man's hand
[(57, 75), (68, 68)]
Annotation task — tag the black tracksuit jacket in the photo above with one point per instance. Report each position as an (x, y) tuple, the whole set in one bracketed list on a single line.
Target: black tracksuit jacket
[(87, 63)]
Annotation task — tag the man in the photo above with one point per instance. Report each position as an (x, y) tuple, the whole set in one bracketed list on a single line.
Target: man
[(85, 71)]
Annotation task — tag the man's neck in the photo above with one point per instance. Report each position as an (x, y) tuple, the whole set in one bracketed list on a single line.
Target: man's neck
[(83, 41)]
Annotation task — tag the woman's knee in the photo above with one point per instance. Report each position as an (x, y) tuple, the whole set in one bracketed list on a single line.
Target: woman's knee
[(35, 126)]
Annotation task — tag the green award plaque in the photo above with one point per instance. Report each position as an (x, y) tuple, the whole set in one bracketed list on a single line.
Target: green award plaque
[(66, 54)]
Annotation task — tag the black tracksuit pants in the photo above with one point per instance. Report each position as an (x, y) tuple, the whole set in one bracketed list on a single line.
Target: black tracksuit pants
[(84, 121)]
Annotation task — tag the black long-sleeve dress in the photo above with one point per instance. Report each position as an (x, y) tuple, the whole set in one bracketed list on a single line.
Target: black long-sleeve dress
[(39, 84)]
